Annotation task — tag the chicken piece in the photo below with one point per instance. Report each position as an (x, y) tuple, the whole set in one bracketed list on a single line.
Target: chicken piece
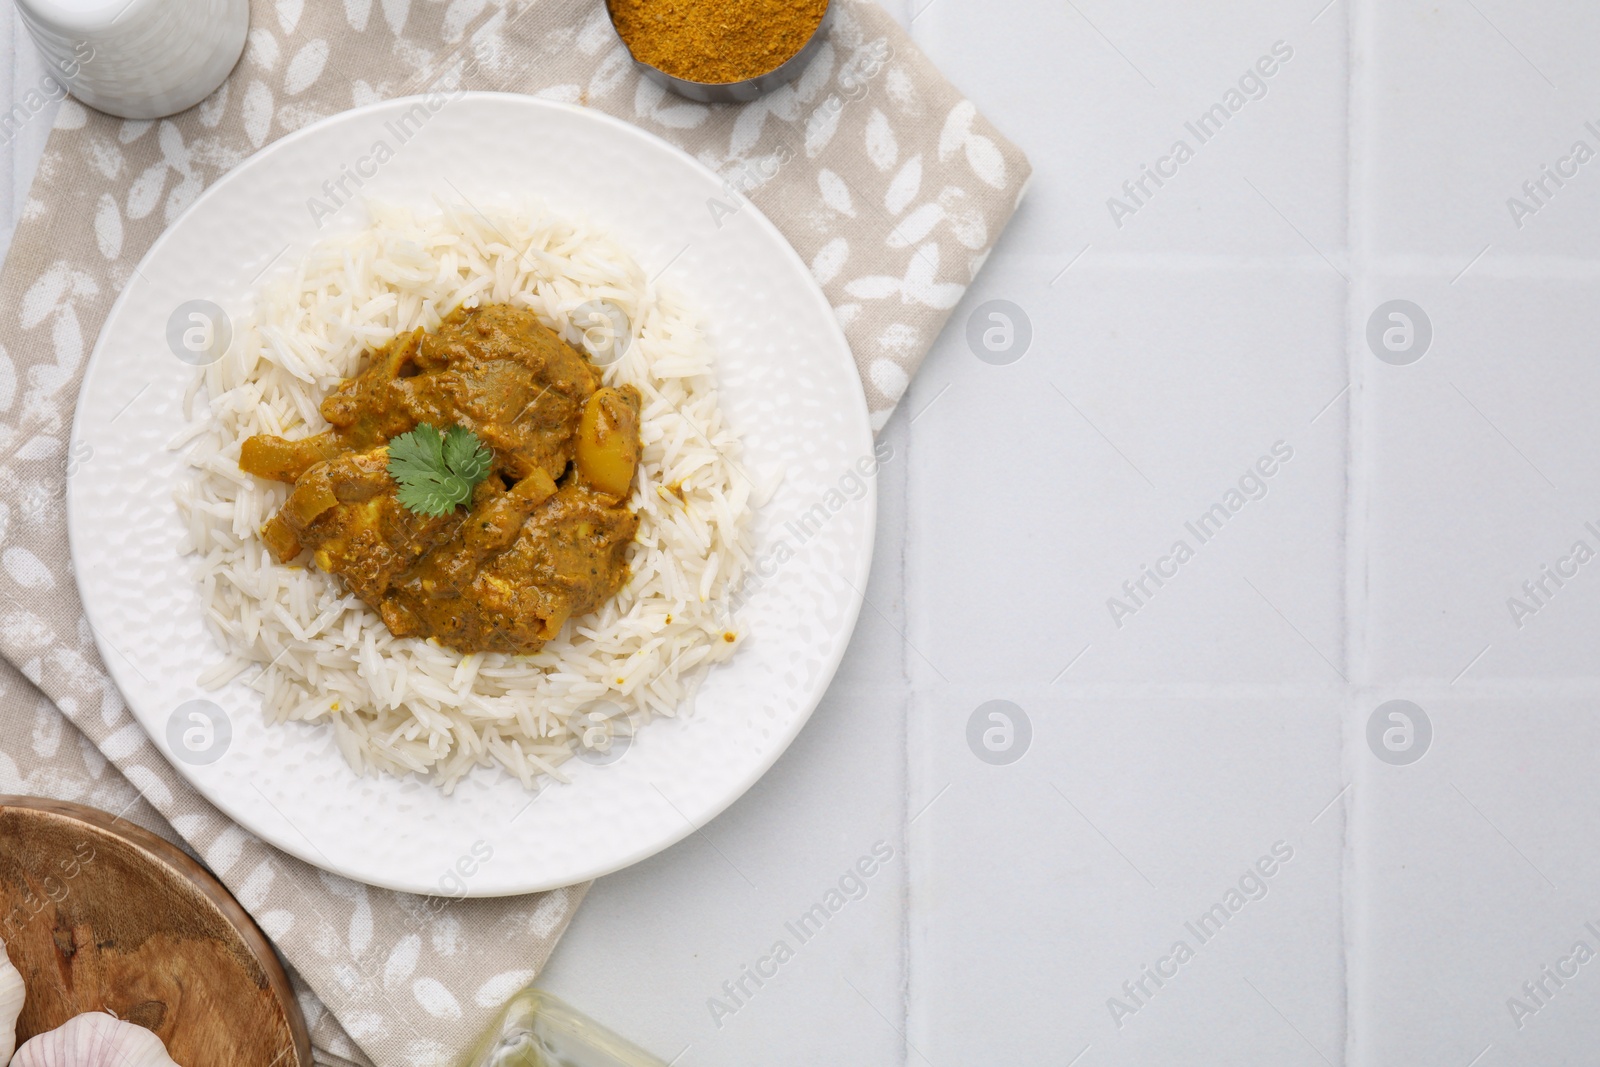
[(500, 373), (371, 407), (570, 556), (345, 510), (496, 370), (447, 570)]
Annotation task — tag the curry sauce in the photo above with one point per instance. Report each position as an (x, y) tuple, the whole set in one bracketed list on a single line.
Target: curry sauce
[(544, 536)]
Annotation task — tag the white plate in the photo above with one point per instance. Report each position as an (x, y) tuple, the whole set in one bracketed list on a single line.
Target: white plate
[(789, 386)]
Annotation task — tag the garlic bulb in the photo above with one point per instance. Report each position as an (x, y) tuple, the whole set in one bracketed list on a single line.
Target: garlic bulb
[(11, 994), (94, 1039)]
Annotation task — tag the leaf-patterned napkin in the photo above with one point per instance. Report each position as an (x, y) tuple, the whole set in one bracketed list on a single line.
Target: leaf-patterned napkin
[(884, 178)]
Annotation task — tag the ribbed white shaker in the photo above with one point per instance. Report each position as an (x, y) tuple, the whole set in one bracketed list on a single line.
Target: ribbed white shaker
[(139, 59)]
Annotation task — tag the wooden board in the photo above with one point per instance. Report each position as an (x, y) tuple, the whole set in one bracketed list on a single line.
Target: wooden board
[(99, 914)]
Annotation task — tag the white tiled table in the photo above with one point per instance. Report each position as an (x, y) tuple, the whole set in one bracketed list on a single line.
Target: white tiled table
[(1226, 716)]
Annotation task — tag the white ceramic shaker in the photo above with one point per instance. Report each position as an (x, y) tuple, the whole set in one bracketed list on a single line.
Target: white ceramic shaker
[(138, 59)]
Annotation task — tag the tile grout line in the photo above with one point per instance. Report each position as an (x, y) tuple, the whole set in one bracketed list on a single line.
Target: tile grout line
[(1358, 22), (907, 711)]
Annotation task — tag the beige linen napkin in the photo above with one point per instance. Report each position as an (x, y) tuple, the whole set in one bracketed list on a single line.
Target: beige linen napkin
[(883, 177)]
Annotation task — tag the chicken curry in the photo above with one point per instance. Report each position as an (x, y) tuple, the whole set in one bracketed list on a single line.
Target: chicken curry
[(472, 486)]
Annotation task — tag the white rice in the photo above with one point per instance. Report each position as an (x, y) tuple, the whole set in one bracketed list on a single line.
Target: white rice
[(317, 654)]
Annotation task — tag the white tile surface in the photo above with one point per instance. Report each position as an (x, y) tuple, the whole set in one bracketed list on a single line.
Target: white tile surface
[(1096, 90), (1042, 886), (1226, 313), (1477, 873), (1483, 474), (1149, 391), (1475, 98)]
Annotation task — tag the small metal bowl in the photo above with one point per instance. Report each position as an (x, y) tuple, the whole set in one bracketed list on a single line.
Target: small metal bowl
[(738, 92)]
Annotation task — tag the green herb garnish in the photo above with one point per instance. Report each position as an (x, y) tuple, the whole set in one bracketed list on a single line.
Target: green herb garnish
[(437, 473)]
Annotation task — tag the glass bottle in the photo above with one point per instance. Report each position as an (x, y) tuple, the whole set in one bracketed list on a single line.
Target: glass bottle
[(536, 1029)]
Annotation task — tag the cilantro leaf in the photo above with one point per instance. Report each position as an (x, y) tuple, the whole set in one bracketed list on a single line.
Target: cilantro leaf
[(433, 495), (419, 452), (465, 455), (437, 472)]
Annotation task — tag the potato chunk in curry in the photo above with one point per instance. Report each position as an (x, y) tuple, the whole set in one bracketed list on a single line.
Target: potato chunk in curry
[(544, 536)]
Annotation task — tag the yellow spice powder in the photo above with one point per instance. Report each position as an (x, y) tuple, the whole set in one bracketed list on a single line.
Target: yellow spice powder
[(716, 41)]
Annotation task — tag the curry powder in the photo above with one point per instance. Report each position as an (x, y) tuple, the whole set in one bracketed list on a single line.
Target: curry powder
[(716, 41)]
